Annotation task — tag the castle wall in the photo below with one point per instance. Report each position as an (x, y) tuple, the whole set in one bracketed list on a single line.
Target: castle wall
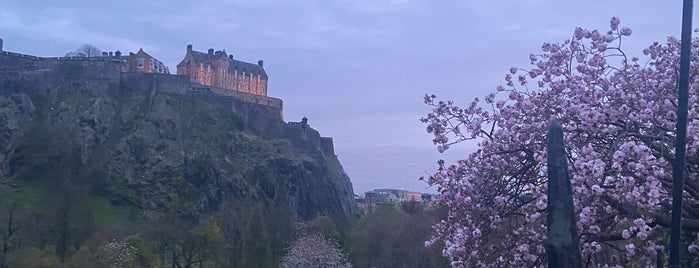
[(205, 74), (219, 72), (160, 82), (181, 84), (275, 105), (15, 66), (247, 83), (326, 143), (10, 61)]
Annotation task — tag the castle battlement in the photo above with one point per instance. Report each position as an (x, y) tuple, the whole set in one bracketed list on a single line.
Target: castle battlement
[(136, 68), (32, 57)]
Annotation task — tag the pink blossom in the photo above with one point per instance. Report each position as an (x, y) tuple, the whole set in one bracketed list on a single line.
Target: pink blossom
[(614, 23), (630, 250), (618, 118), (625, 31), (693, 249), (579, 33), (626, 234)]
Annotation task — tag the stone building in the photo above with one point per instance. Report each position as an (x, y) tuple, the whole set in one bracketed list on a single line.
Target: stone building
[(142, 62), (220, 70)]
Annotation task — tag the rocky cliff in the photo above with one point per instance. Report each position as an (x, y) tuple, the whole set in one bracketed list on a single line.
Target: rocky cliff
[(147, 142)]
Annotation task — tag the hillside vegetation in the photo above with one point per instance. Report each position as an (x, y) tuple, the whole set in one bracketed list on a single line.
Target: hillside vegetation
[(98, 171)]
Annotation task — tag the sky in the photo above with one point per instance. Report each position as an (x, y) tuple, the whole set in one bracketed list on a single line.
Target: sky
[(358, 70)]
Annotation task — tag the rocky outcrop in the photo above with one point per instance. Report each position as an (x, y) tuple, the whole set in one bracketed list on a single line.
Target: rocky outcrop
[(173, 151)]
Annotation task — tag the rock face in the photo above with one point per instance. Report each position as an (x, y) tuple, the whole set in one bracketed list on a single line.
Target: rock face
[(165, 149)]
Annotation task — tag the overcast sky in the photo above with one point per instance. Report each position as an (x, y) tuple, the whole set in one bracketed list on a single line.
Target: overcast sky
[(356, 69)]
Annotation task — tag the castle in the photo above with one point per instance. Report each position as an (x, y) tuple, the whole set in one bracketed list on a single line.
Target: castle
[(218, 69), (213, 76), (214, 72), (213, 69)]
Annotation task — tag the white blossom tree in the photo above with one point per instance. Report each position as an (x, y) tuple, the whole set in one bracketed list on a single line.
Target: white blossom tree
[(314, 250)]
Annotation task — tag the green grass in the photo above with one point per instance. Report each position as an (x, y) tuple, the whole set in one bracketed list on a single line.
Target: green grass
[(103, 211), (27, 195)]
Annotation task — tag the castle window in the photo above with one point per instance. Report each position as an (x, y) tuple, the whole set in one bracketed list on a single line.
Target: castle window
[(139, 63)]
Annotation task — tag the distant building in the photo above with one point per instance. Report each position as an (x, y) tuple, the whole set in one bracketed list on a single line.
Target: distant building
[(396, 196), (427, 198), (143, 62), (384, 196), (218, 69)]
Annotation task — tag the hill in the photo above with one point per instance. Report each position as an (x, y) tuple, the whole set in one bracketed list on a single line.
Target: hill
[(89, 150)]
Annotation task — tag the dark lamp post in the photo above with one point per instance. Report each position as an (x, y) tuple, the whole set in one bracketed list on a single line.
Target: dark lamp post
[(681, 141)]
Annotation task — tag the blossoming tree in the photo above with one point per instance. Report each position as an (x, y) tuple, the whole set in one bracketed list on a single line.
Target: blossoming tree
[(618, 114), (313, 249)]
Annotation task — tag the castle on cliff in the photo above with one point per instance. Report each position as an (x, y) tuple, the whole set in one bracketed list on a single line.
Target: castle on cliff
[(214, 75), (213, 72), (213, 69)]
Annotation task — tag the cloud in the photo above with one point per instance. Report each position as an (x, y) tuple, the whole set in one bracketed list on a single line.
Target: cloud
[(357, 69)]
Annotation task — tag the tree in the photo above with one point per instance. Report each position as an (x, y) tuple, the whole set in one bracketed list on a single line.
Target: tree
[(313, 249), (96, 251), (198, 247), (8, 232), (393, 236), (86, 50), (34, 257), (618, 114), (255, 233)]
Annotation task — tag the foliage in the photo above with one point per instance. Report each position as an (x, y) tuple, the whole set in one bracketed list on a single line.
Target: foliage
[(117, 253), (255, 233), (618, 114), (86, 50), (103, 211), (179, 247), (324, 225), (393, 237), (144, 257), (312, 248), (27, 194), (34, 257)]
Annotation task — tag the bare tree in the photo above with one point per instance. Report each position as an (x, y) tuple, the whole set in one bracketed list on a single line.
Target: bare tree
[(86, 50), (8, 235)]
